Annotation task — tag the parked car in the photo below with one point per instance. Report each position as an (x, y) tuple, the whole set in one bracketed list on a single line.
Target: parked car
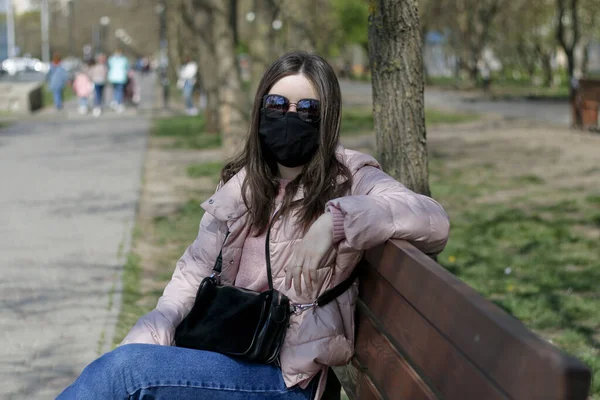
[(36, 65), (15, 65), (19, 65)]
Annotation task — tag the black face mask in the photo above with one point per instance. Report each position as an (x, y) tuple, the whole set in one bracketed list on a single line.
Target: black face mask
[(290, 141)]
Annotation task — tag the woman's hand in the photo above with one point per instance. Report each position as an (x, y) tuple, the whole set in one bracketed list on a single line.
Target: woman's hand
[(309, 253)]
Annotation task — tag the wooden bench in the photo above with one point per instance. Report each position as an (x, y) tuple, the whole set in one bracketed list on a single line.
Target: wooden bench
[(586, 104), (423, 334)]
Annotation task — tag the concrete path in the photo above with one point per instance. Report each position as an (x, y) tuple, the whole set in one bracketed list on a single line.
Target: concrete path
[(69, 187)]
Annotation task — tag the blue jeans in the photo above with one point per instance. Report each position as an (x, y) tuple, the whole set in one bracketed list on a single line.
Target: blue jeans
[(57, 94), (188, 92), (143, 371), (99, 94), (119, 92)]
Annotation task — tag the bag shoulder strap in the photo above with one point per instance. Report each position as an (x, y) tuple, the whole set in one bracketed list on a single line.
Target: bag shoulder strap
[(219, 262), (331, 294)]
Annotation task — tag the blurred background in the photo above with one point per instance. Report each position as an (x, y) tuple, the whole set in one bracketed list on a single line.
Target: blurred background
[(526, 48), (511, 98)]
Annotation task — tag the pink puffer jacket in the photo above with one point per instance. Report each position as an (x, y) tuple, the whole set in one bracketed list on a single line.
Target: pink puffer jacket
[(379, 208)]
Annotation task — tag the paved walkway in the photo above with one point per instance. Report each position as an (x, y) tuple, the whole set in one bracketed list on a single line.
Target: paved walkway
[(68, 196)]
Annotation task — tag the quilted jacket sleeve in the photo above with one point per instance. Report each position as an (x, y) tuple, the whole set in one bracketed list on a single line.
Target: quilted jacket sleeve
[(381, 208), (158, 326)]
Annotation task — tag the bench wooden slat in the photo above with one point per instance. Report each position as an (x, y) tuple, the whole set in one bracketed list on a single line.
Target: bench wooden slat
[(522, 364), (447, 369), (589, 89), (366, 390), (386, 368)]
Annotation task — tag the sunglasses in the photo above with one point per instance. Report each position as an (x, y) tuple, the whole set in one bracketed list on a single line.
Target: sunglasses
[(276, 106)]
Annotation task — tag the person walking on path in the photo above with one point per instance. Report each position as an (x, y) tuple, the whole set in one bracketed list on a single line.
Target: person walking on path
[(118, 66), (57, 79), (98, 73), (83, 88), (291, 218), (186, 82), (132, 88)]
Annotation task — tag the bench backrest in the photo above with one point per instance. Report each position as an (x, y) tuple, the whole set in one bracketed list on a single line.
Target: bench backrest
[(589, 89), (423, 334)]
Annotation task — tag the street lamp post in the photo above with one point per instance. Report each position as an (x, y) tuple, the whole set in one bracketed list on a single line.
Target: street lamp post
[(164, 57), (45, 24), (104, 22), (71, 27), (10, 27)]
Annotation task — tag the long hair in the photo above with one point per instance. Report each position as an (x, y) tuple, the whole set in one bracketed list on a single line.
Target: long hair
[(322, 179)]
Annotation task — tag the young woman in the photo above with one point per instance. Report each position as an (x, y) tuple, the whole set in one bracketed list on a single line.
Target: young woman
[(98, 73), (320, 206)]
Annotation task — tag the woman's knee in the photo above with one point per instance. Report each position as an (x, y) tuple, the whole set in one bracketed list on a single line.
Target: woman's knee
[(117, 362)]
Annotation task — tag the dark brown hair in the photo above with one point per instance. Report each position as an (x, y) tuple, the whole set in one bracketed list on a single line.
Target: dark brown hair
[(320, 178)]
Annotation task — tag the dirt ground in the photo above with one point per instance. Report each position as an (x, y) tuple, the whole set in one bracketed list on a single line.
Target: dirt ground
[(567, 161)]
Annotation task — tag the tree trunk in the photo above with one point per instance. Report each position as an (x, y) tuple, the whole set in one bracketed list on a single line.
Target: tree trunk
[(301, 28), (198, 18), (573, 34), (398, 103), (474, 75), (586, 59), (260, 44), (231, 99), (210, 83), (174, 50), (571, 68), (547, 69), (424, 30)]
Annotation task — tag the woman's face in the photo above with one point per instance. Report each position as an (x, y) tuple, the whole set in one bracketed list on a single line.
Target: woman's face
[(294, 87)]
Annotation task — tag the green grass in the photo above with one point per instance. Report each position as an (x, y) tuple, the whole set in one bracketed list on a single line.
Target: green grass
[(442, 81), (359, 120), (529, 180), (532, 259), (507, 88), (173, 233), (433, 117), (181, 227), (531, 92), (130, 309), (356, 120), (187, 132), (211, 169)]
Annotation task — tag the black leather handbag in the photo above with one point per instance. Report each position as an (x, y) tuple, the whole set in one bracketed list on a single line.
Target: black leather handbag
[(244, 323)]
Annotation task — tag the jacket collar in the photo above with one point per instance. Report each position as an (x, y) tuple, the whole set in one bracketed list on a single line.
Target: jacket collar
[(227, 203)]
